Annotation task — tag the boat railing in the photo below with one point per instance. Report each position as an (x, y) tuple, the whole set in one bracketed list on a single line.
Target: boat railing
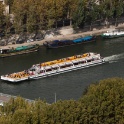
[(68, 59), (18, 75), (23, 74)]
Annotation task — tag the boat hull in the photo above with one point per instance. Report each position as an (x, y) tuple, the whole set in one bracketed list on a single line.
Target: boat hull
[(113, 36), (50, 45), (35, 49), (54, 47), (12, 80)]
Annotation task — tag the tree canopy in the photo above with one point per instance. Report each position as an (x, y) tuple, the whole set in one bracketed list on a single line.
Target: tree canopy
[(104, 102), (34, 15), (2, 16)]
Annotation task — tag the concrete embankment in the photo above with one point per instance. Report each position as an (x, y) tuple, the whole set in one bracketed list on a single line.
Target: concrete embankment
[(4, 98), (68, 36)]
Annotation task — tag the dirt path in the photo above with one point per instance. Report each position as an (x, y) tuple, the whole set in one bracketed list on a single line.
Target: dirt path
[(59, 37)]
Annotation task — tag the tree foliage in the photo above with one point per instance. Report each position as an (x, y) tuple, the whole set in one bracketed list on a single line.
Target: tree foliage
[(80, 14), (104, 102), (2, 16), (34, 15), (8, 2)]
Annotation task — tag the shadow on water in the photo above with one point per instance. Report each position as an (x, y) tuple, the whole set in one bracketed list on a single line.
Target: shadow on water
[(16, 83)]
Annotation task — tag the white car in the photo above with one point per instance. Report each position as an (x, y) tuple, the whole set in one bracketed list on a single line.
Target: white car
[(30, 40), (1, 103)]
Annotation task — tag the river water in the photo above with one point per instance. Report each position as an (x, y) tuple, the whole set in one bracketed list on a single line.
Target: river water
[(69, 85)]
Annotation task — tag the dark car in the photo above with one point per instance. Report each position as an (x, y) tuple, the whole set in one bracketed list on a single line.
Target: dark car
[(2, 34)]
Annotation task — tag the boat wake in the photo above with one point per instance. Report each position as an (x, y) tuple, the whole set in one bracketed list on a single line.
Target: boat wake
[(112, 61), (114, 58)]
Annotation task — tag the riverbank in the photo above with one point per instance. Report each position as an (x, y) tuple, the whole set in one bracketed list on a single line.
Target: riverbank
[(69, 36), (4, 98)]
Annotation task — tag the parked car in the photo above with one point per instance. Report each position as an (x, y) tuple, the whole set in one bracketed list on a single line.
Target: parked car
[(2, 34), (3, 42), (20, 41), (38, 39), (30, 40)]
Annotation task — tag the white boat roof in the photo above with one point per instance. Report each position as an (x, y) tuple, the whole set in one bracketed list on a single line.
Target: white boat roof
[(88, 58), (61, 64), (54, 66), (82, 59), (67, 63), (48, 67), (74, 61)]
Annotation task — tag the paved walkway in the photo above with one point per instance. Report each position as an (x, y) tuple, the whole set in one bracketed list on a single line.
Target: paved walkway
[(71, 36), (5, 98)]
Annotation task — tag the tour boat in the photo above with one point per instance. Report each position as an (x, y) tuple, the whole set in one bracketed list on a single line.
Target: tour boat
[(7, 52), (113, 34), (63, 43), (56, 67)]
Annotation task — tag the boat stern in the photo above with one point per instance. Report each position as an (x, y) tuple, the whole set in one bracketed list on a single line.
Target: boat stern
[(7, 78)]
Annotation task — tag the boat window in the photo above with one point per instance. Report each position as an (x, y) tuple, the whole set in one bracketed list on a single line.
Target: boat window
[(48, 70), (69, 65), (83, 62), (55, 68), (32, 69), (65, 66), (92, 59), (76, 63), (96, 58), (42, 71), (89, 60)]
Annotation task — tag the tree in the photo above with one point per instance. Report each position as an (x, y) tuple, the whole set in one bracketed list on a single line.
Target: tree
[(118, 10), (2, 16), (104, 102), (62, 112), (92, 14), (9, 2), (79, 15), (32, 17), (108, 10), (69, 7), (20, 14)]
